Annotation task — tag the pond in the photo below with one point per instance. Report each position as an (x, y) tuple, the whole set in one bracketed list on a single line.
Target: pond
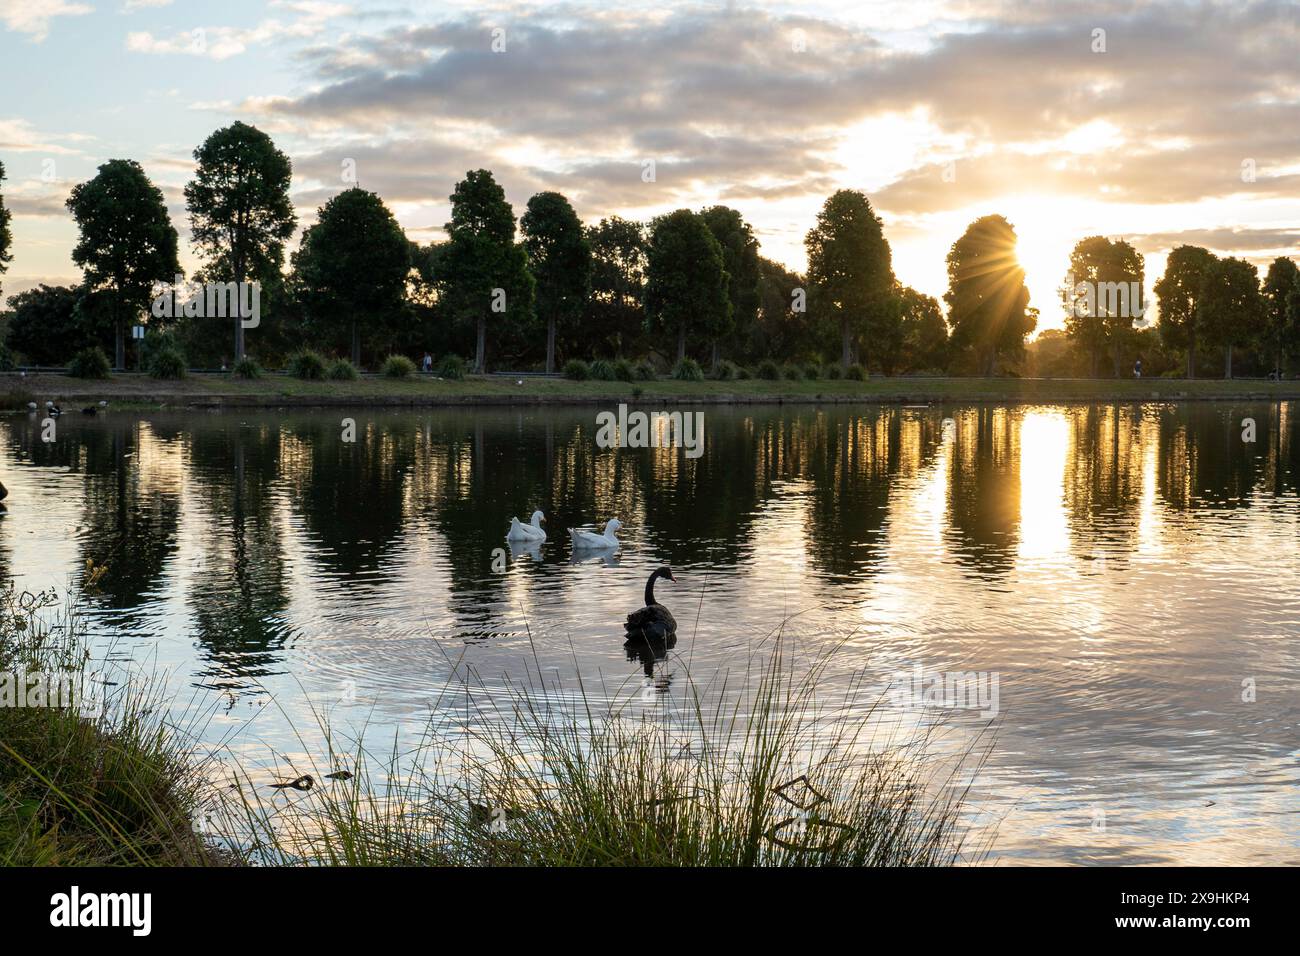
[(1125, 574)]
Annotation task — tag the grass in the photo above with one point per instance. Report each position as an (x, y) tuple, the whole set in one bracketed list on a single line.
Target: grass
[(276, 390), (112, 787)]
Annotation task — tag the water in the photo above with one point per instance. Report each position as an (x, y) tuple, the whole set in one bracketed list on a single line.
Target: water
[(1129, 573)]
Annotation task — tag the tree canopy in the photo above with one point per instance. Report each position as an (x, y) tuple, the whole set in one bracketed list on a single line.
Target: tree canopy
[(559, 258), (686, 282), (1180, 290), (740, 260), (988, 303)]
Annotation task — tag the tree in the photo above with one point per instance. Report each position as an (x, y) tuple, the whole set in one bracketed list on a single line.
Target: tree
[(44, 325), (483, 271), (782, 328), (1231, 308), (850, 270), (560, 261), (924, 332), (240, 212), (618, 268), (686, 282), (1100, 300), (127, 240), (6, 236), (1280, 334), (352, 266), (988, 303), (740, 259), (1179, 290)]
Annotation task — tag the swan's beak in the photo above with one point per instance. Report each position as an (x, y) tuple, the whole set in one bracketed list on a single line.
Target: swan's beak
[(543, 519)]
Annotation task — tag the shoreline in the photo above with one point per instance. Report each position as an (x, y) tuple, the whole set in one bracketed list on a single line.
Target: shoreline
[(217, 390)]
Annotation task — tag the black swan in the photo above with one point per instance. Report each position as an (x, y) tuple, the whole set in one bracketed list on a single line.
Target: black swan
[(653, 622)]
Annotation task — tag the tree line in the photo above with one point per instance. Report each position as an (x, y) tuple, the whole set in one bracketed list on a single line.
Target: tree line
[(530, 292)]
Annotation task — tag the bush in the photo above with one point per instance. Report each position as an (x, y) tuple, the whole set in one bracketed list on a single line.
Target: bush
[(167, 362), (623, 370), (577, 370), (341, 370), (856, 372), (645, 371), (247, 368), (398, 366), (744, 373), (307, 364), (603, 371), (834, 372), (768, 369), (688, 370), (812, 371), (89, 363), (792, 372), (452, 367), (726, 371)]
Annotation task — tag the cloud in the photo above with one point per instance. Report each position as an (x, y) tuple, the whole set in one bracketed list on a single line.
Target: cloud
[(222, 43), (34, 16)]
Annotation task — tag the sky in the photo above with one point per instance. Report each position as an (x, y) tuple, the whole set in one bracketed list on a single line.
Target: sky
[(1159, 123)]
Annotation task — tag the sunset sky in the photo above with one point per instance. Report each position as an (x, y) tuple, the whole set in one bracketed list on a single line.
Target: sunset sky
[(940, 111)]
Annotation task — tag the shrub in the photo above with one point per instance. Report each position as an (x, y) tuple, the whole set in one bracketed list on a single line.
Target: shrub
[(726, 371), (341, 370), (812, 371), (247, 368), (834, 372), (856, 372), (688, 370), (645, 371), (792, 372), (744, 373), (398, 366), (167, 362), (452, 367), (89, 363), (577, 370), (768, 369), (603, 371), (623, 370), (307, 364)]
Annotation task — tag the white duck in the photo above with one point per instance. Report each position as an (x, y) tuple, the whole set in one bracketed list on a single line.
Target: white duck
[(590, 541), (527, 532)]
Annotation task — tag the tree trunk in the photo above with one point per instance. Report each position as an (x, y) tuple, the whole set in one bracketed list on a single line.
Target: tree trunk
[(480, 353), (1092, 371), (1227, 368), (550, 345), (356, 345), (846, 350), (1191, 357), (119, 343), (714, 366), (681, 343)]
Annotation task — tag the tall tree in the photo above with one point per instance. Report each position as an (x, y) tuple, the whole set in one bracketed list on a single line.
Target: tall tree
[(6, 237), (988, 303), (740, 259), (1179, 290), (127, 240), (484, 271), (1231, 308), (352, 266), (850, 270), (614, 310), (240, 213), (782, 328), (686, 282), (1280, 336), (559, 258), (924, 332), (1099, 302)]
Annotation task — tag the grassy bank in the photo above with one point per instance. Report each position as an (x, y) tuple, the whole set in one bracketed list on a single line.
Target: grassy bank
[(218, 390), (781, 777)]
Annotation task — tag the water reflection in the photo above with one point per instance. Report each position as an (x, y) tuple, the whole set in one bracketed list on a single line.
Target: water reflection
[(1123, 567)]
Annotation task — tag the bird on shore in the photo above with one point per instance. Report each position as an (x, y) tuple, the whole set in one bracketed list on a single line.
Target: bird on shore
[(654, 622), (590, 541), (53, 410), (527, 532)]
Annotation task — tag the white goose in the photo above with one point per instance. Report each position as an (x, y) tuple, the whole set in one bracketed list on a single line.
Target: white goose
[(527, 532), (590, 541)]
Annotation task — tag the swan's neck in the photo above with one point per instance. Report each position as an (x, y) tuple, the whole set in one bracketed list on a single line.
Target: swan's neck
[(537, 522), (650, 589)]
